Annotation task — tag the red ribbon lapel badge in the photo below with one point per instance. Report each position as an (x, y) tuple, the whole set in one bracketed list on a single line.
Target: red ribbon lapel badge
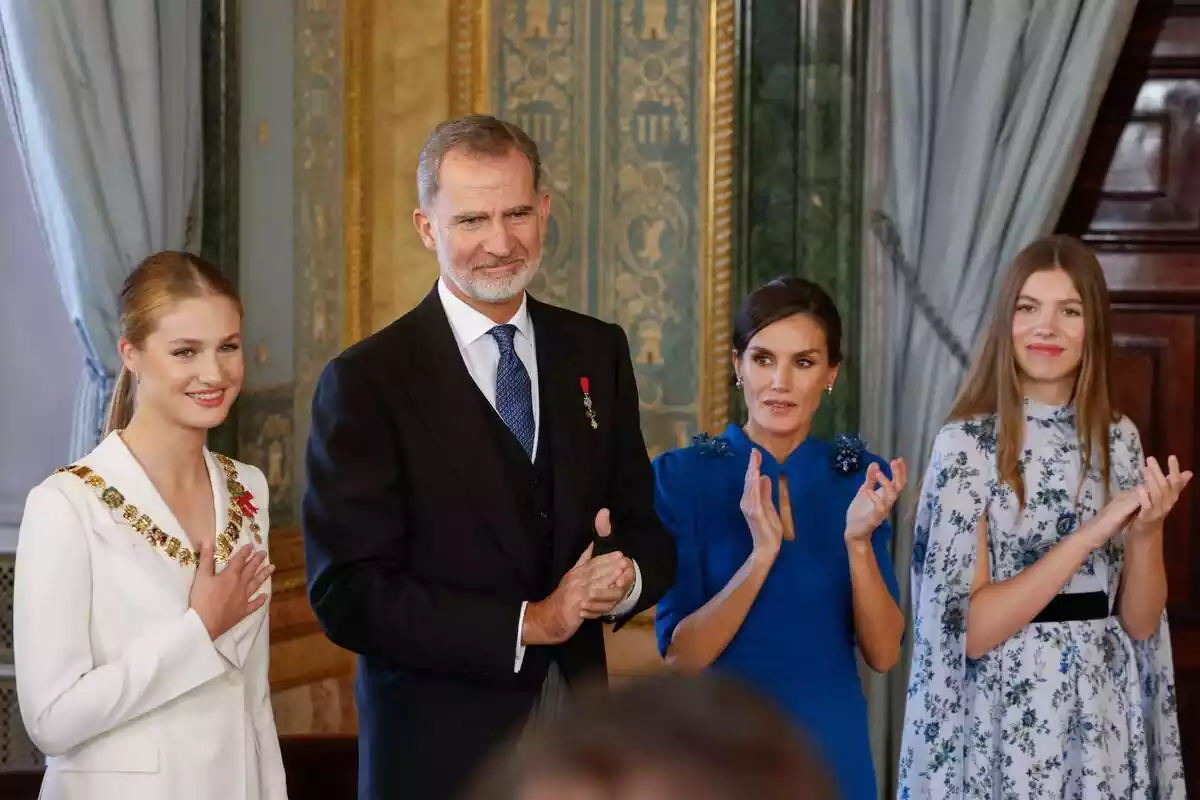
[(245, 501), (587, 403)]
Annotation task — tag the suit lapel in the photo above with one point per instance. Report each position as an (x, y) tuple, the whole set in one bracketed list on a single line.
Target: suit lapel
[(452, 406), (560, 370), (113, 461)]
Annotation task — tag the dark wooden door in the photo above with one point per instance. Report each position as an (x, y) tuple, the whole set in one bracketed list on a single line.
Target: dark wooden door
[(1137, 202)]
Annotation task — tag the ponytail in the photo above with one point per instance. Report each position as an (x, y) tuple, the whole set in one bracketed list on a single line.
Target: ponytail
[(120, 407), (157, 283)]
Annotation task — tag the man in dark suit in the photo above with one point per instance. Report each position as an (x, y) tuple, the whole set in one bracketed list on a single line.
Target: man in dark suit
[(479, 496)]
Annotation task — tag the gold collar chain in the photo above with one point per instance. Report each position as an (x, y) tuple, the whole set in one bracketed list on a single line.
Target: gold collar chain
[(171, 546)]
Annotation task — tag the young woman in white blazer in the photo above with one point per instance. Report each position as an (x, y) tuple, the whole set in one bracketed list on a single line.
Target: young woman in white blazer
[(141, 630)]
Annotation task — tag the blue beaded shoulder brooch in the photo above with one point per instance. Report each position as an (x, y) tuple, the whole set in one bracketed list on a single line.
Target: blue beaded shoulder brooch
[(848, 452), (711, 445)]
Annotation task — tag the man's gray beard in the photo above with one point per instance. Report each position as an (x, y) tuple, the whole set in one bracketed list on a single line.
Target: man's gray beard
[(495, 290)]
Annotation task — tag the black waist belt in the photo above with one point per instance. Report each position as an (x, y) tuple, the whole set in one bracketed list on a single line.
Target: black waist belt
[(1075, 607)]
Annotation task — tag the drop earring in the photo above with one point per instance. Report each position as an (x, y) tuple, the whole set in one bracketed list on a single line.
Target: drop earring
[(738, 382), (829, 388)]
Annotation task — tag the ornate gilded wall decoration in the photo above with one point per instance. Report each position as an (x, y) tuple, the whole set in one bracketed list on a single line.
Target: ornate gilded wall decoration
[(542, 66), (649, 270), (631, 103)]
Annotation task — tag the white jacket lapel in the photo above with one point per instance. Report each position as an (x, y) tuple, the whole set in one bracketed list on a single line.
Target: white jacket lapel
[(135, 516)]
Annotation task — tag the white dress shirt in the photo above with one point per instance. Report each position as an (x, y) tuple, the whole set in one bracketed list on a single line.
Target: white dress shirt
[(481, 354)]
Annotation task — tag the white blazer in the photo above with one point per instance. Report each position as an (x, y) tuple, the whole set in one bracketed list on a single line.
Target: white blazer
[(118, 681)]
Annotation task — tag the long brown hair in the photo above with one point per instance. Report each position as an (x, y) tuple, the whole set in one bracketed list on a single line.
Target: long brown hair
[(156, 284), (993, 385)]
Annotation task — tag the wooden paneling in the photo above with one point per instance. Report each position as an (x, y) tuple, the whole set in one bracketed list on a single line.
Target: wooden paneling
[(320, 767), (1156, 387), (312, 680), (1136, 200), (317, 768), (1151, 194), (1152, 275)]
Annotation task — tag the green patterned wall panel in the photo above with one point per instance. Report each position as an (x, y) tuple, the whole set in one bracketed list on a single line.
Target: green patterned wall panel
[(613, 94)]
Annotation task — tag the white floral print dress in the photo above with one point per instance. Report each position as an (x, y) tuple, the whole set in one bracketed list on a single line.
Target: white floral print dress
[(1061, 709)]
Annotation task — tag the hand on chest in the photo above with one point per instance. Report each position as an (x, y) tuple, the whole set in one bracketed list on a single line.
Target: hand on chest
[(146, 538)]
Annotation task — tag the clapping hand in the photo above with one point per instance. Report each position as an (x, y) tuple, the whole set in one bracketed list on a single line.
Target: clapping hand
[(758, 508), (612, 581), (1158, 494), (874, 501), (591, 589), (1112, 519)]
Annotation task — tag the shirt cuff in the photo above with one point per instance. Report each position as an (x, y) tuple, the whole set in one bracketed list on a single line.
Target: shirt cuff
[(630, 602), (520, 631)]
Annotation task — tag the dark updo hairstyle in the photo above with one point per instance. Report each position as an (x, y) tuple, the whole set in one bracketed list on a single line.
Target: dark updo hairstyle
[(783, 298)]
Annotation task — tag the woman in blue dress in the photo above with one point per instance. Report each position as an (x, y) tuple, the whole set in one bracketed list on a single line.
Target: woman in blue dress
[(782, 538)]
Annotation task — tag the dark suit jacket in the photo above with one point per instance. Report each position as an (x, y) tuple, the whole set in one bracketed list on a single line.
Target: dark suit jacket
[(414, 545)]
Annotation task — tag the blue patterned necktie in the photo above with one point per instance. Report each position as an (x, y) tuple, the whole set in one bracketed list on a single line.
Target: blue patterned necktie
[(514, 393)]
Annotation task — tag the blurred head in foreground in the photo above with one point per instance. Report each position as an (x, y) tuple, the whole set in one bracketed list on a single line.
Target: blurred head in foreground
[(669, 738)]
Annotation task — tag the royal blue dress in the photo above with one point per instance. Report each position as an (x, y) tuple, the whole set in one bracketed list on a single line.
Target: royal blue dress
[(796, 644)]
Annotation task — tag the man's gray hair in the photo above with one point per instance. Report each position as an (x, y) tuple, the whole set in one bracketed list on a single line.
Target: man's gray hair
[(476, 135)]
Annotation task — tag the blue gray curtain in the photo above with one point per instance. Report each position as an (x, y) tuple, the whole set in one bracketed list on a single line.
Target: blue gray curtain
[(989, 106), (104, 99)]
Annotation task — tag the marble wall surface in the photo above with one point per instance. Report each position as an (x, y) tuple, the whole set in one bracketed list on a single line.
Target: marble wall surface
[(800, 152)]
